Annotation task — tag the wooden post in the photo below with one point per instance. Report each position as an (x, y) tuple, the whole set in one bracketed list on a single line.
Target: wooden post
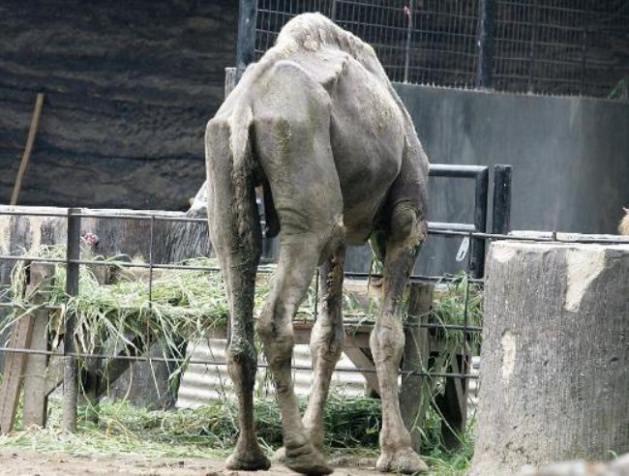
[(415, 389), (13, 372), (35, 374), (30, 332), (30, 141)]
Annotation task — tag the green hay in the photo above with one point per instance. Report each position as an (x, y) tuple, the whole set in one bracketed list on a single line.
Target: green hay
[(185, 306), (352, 426)]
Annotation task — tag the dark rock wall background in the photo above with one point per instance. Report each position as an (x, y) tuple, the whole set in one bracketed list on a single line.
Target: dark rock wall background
[(129, 88)]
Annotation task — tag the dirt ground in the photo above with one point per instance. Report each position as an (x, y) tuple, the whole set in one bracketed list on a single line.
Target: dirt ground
[(30, 463)]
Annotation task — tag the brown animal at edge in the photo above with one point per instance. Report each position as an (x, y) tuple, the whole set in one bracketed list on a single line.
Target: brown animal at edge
[(318, 124)]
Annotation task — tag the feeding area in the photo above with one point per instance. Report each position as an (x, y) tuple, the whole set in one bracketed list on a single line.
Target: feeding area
[(121, 310)]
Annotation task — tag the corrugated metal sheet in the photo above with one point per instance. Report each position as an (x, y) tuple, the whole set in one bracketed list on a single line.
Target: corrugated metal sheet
[(473, 387), (203, 384)]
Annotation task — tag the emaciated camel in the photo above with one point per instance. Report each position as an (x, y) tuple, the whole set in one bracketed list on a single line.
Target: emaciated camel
[(317, 123)]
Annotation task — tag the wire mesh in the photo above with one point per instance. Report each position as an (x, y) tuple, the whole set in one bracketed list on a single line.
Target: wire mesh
[(542, 46), (466, 327)]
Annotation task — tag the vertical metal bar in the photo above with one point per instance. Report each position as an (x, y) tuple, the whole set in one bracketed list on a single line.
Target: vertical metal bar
[(467, 357), (246, 45), (151, 242), (316, 297), (333, 11), (501, 210), (486, 35), (480, 222), (409, 37), (533, 44), (70, 368), (584, 54)]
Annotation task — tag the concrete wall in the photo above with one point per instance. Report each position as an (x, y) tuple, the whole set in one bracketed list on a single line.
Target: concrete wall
[(570, 155), (570, 159)]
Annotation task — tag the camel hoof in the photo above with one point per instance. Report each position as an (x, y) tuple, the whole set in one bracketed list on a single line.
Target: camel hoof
[(404, 461), (252, 460), (306, 460)]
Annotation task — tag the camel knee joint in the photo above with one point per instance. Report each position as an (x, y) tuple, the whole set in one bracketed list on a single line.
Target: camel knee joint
[(404, 222), (242, 352), (242, 362), (278, 340)]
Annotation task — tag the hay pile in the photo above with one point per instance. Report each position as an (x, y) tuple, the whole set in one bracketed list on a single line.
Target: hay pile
[(185, 305)]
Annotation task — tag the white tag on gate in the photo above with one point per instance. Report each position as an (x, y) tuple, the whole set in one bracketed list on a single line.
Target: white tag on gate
[(463, 249)]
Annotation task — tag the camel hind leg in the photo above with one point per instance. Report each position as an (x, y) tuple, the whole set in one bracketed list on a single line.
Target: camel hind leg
[(236, 239), (326, 346), (294, 273), (293, 144)]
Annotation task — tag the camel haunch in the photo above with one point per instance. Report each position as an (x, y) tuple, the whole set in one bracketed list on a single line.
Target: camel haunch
[(318, 124)]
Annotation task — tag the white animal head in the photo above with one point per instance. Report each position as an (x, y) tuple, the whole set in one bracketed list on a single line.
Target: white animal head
[(623, 227), (198, 204)]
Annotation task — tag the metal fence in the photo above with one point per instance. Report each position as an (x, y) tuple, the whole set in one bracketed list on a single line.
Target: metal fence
[(73, 261), (543, 46), (475, 232)]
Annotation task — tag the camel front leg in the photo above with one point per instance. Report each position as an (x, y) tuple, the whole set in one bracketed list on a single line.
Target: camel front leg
[(387, 341)]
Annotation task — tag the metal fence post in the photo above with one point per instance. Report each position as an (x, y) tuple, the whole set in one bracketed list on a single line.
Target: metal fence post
[(501, 212), (533, 45), (584, 58), (246, 46), (486, 33), (70, 368), (409, 38), (480, 223)]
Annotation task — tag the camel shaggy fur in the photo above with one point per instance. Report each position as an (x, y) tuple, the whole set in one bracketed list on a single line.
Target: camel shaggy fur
[(318, 125)]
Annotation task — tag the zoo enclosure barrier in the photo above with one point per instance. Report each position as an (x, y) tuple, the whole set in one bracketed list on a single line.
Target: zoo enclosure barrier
[(544, 46), (476, 232), (72, 263)]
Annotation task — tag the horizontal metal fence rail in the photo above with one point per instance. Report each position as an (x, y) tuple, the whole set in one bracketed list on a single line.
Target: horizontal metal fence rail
[(450, 230), (72, 262), (137, 358)]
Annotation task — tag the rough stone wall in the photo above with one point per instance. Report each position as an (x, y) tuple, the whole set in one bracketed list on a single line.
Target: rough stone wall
[(129, 88)]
